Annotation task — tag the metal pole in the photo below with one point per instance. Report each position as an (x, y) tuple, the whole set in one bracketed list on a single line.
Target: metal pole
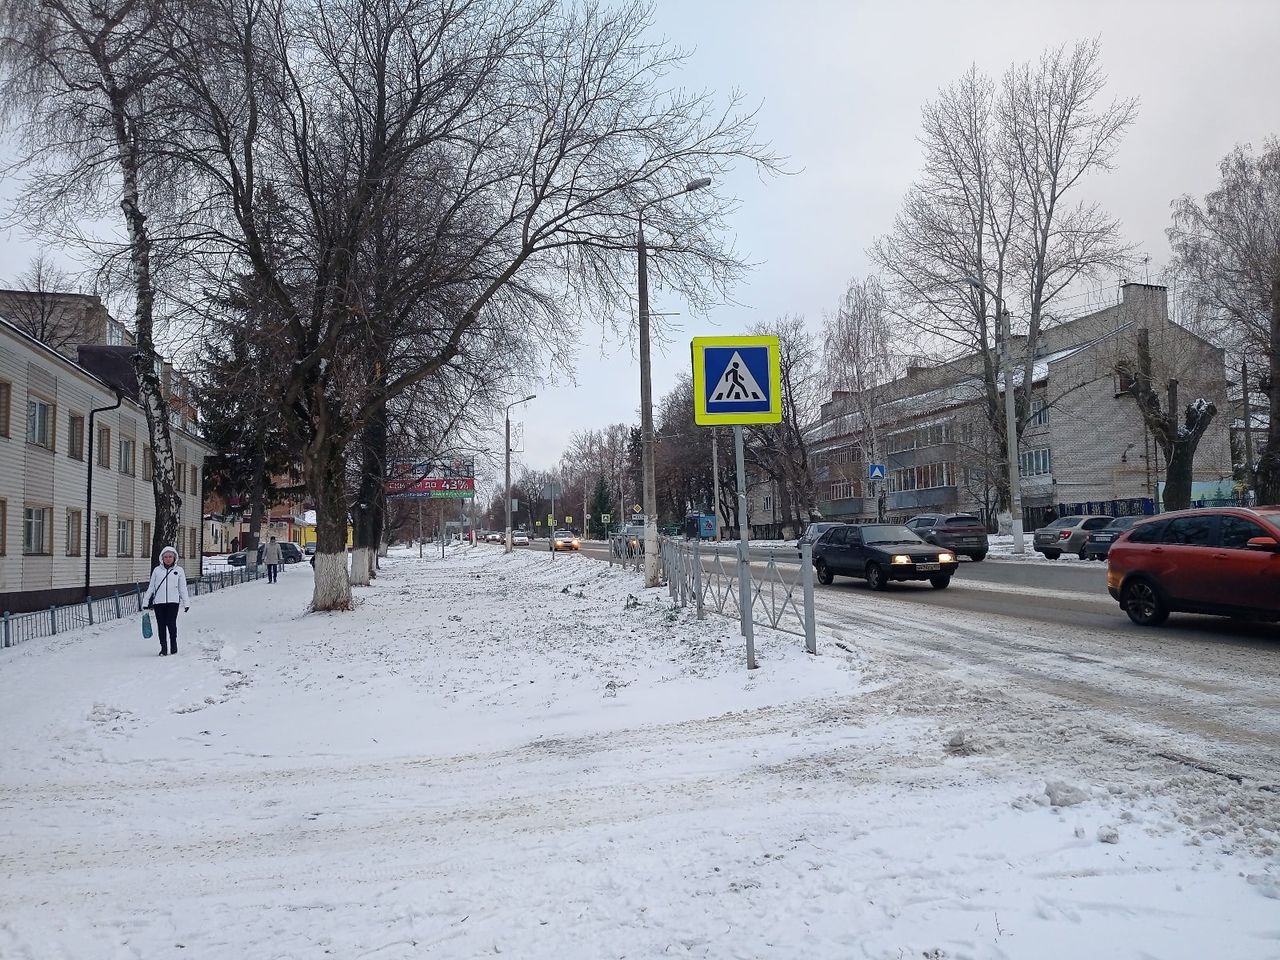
[(507, 548), (88, 495), (715, 479), (419, 528), (744, 552), (806, 584), (1248, 427), (650, 497), (444, 533), (1011, 436)]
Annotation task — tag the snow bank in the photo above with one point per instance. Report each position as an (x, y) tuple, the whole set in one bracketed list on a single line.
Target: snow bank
[(532, 756)]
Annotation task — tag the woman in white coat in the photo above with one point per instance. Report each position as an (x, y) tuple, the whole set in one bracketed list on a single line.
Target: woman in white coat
[(165, 593)]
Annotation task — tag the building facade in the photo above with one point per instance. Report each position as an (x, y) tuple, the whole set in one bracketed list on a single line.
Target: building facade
[(1084, 447), (66, 428)]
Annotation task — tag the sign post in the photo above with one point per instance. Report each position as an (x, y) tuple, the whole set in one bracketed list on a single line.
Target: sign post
[(737, 381)]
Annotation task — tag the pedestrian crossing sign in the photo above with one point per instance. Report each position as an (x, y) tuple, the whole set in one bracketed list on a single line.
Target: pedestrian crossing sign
[(736, 380), (875, 471)]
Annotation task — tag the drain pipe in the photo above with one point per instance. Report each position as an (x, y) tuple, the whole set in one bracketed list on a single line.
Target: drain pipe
[(88, 496)]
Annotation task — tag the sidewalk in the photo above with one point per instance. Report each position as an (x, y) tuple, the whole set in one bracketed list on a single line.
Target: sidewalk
[(534, 757)]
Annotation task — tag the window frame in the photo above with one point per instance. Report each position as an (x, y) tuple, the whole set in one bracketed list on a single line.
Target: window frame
[(104, 447), (6, 408), (75, 531), (101, 535), (1261, 531), (129, 468), (75, 440), (1211, 540), (148, 463), (36, 399), (124, 527), (46, 530), (145, 541)]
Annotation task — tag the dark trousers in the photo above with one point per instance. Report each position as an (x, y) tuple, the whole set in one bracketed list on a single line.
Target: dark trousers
[(167, 620), (273, 571)]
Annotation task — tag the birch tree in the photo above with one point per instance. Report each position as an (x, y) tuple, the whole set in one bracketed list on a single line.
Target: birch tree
[(83, 82)]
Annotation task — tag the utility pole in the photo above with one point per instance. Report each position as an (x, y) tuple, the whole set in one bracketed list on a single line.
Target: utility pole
[(1248, 427), (715, 479), (1011, 434), (507, 541)]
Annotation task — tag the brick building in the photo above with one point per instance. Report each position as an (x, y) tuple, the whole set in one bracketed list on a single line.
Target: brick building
[(1084, 448)]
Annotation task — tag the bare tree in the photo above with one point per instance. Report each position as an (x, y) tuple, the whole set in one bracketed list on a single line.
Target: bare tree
[(1177, 439), (994, 217), (533, 132), (1227, 252), (860, 358), (39, 306), (81, 81)]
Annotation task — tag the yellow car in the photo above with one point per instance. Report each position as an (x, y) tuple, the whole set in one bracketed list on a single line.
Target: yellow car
[(564, 540)]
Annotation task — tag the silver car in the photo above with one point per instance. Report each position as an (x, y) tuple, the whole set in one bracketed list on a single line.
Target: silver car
[(1068, 535)]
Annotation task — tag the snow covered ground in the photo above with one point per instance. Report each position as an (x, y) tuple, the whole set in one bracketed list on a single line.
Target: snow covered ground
[(530, 756)]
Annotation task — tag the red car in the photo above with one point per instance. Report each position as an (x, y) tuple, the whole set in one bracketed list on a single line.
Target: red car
[(1222, 560)]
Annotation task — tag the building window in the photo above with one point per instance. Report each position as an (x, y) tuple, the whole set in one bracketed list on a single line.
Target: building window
[(40, 422), (148, 462), (124, 457), (195, 479), (1039, 412), (104, 447), (100, 535), (145, 543), (6, 393), (178, 544), (37, 531), (1036, 463), (4, 527), (841, 490), (191, 538), (181, 477), (124, 538), (75, 437), (75, 519)]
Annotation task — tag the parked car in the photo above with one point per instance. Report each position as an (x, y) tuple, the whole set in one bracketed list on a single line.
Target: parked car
[(881, 552), (309, 549), (1068, 535), (237, 559), (1220, 560), (1098, 543), (519, 538), (564, 540), (493, 536), (962, 533), (813, 531), (290, 552)]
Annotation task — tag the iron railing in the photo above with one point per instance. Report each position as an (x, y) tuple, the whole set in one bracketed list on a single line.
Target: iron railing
[(21, 627), (626, 551), (708, 577)]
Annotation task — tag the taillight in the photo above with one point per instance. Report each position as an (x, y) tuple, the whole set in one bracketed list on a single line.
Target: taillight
[(1065, 535)]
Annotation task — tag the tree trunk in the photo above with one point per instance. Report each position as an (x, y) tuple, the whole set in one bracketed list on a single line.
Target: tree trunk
[(146, 362), (1268, 472), (326, 477), (1180, 457), (257, 492)]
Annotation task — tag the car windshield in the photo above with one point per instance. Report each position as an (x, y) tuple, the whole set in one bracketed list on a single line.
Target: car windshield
[(886, 533), (1064, 522)]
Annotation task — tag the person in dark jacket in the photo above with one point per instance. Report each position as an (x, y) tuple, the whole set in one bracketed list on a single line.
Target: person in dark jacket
[(166, 592)]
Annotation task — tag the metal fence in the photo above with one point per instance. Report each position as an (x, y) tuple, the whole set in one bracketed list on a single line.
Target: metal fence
[(21, 627), (626, 551), (708, 578)]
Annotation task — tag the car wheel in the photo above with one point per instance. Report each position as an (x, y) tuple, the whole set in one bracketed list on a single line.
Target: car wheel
[(1052, 554), (825, 576), (876, 579), (940, 583), (977, 557), (1142, 602), (1083, 554)]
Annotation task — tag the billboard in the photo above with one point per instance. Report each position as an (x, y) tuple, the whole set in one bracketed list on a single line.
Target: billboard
[(452, 482)]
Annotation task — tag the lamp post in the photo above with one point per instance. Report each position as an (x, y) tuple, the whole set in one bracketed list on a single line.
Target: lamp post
[(649, 493), (507, 545), (1010, 417)]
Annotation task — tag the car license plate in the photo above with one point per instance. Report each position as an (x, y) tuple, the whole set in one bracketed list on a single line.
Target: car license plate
[(928, 566), (1105, 538)]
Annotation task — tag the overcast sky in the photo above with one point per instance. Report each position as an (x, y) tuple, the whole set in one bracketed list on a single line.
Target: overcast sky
[(840, 85)]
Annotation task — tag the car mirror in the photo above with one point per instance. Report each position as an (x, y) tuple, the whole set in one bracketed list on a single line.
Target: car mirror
[(1267, 544)]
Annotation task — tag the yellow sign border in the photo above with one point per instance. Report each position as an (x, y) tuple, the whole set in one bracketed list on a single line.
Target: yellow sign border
[(700, 415)]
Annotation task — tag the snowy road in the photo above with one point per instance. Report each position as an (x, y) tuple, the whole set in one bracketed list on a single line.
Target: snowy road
[(534, 758)]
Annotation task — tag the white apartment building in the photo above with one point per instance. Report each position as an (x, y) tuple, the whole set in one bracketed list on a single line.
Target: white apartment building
[(63, 426)]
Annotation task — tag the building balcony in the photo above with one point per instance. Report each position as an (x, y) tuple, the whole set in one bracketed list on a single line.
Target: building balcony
[(932, 498), (835, 509)]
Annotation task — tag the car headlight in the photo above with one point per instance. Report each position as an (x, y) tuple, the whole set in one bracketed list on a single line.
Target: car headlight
[(946, 558), (901, 558)]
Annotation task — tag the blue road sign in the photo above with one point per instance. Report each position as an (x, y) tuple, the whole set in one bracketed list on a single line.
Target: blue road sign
[(875, 471), (737, 380)]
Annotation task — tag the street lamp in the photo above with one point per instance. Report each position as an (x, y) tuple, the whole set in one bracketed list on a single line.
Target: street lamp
[(1010, 417), (650, 496), (513, 403)]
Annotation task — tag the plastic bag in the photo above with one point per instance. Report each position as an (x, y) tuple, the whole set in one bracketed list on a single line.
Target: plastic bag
[(146, 626)]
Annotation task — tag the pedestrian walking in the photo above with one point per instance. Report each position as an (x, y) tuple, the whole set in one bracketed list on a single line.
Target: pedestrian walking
[(271, 556), (165, 593)]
